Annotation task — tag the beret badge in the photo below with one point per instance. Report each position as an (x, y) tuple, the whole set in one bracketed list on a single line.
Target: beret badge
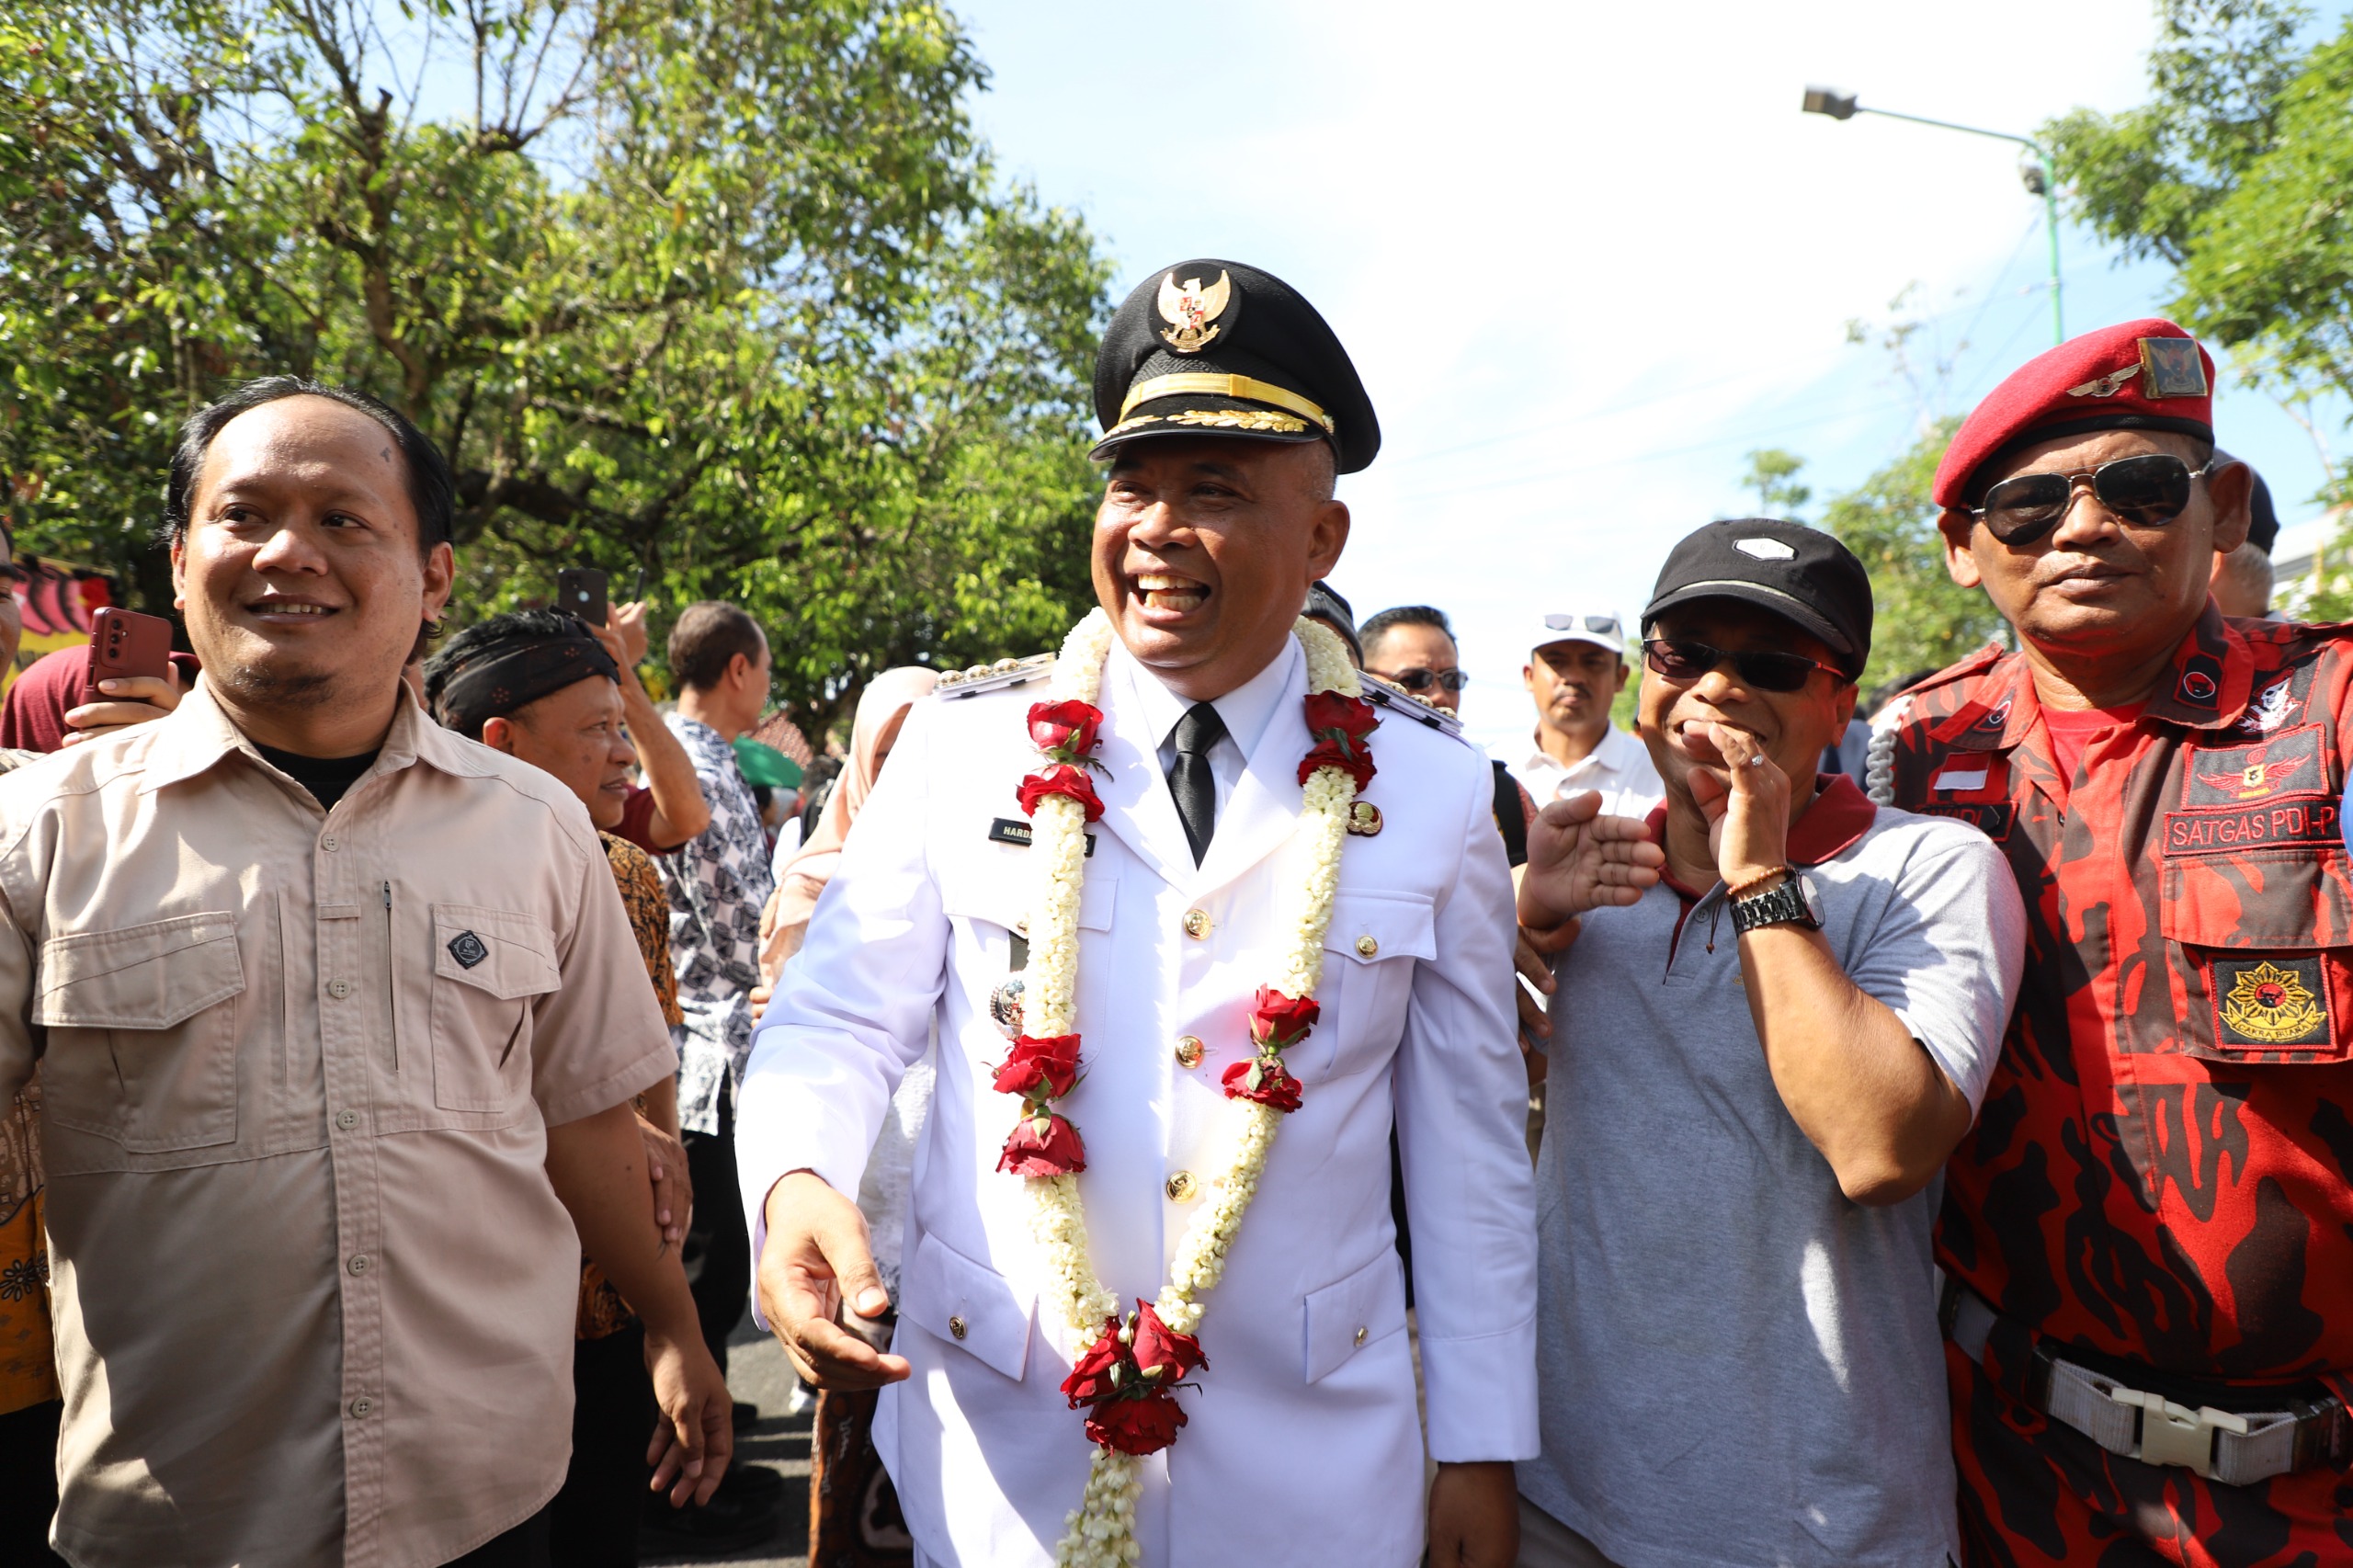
[(1192, 312)]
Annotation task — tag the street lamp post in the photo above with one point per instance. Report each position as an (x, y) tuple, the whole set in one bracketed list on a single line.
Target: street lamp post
[(2042, 177)]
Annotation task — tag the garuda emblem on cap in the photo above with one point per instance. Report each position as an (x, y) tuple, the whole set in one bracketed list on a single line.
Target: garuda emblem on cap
[(1192, 310)]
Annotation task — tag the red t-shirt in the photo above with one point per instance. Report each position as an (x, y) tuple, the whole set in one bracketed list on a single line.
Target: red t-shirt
[(2073, 728)]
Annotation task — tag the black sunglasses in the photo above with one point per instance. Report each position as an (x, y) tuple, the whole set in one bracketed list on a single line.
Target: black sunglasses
[(1603, 625), (2148, 491), (1683, 661), (1416, 680)]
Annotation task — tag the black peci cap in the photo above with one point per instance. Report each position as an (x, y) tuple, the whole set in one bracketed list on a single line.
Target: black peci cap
[(2263, 517), (1217, 348), (1800, 574)]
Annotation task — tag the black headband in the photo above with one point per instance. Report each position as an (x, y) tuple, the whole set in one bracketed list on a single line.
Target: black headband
[(507, 675)]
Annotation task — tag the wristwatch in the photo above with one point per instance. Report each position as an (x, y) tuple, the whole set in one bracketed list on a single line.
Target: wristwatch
[(1791, 901)]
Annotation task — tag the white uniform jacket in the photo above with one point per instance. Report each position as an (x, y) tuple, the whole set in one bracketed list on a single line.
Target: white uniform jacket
[(1304, 1444)]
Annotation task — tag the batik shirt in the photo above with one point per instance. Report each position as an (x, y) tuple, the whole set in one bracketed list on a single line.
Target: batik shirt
[(718, 884), (2163, 1168)]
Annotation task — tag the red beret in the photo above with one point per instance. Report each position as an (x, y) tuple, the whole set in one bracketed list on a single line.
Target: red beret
[(2138, 375)]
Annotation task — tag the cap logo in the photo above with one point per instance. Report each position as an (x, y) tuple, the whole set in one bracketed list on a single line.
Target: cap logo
[(2106, 386), (1191, 311), (1764, 549), (2170, 368)]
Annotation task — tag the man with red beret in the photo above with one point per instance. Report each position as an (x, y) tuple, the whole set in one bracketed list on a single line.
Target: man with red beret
[(2148, 1237)]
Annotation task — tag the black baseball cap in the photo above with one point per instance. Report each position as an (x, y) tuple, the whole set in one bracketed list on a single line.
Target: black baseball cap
[(1800, 574)]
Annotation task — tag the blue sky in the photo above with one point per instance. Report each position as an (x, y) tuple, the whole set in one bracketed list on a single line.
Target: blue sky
[(1588, 258)]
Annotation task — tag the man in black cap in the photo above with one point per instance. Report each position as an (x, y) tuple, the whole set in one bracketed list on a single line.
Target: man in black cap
[(1243, 984), (1771, 1053)]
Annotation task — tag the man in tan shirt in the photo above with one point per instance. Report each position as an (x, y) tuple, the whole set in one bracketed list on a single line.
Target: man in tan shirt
[(339, 1019)]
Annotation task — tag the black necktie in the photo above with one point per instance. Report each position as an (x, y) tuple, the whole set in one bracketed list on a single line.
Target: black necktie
[(1189, 778)]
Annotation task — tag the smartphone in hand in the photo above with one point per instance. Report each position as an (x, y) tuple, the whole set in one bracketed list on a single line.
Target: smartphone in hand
[(124, 643), (581, 591)]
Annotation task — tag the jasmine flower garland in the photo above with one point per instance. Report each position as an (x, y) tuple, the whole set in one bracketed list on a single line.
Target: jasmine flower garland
[(1125, 1376)]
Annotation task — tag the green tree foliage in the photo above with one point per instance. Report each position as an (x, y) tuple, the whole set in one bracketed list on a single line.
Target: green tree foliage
[(1773, 475), (723, 293), (1921, 618), (2238, 171)]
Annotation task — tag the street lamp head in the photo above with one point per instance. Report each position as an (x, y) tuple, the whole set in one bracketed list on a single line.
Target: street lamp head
[(1826, 100), (2037, 182)]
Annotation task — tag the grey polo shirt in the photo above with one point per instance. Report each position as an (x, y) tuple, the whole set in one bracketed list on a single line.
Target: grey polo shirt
[(1737, 1365)]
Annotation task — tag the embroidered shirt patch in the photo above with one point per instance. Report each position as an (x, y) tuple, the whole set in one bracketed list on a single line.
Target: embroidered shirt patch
[(2270, 1002), (2290, 763), (468, 949)]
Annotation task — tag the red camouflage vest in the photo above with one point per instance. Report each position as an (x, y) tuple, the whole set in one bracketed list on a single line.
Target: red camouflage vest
[(2163, 1168)]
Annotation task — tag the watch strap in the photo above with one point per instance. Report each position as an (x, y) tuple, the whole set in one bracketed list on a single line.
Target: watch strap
[(1775, 906)]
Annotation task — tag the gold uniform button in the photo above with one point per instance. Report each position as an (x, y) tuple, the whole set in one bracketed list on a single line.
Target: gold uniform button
[(1181, 1187), (1361, 1331), (1367, 946), (956, 1327), (1188, 1052), (1197, 924)]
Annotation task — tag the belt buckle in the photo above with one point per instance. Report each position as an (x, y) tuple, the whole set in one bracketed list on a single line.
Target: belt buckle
[(2177, 1435)]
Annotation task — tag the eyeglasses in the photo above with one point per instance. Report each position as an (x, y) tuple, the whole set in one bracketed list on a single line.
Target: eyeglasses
[(1421, 680), (2148, 491), (1683, 661), (1605, 625)]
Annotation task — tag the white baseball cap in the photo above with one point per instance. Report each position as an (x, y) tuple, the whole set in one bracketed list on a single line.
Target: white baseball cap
[(1602, 628)]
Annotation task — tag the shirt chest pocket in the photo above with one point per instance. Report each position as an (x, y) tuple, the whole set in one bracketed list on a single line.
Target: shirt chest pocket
[(142, 1043), (490, 967), (2265, 965), (1369, 950)]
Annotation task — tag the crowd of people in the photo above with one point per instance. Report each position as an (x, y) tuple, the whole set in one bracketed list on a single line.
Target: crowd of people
[(1115, 1081)]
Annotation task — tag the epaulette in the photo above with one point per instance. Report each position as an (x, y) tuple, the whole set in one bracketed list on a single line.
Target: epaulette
[(993, 677), (1408, 707)]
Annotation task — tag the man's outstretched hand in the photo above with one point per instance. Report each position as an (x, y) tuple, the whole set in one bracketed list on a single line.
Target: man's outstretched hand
[(1579, 859), (815, 1264)]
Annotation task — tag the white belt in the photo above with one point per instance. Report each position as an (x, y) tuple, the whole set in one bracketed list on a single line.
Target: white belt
[(2238, 1450)]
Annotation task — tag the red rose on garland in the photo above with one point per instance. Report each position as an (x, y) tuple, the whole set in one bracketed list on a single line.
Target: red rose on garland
[(1276, 1089), (1066, 731), (1137, 1427), (1340, 725), (1278, 1021), (1060, 779), (1051, 1061), (1090, 1381), (1054, 1152), (1157, 1345)]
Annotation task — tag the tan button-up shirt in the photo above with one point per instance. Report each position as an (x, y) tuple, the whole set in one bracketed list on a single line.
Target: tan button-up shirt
[(315, 1293)]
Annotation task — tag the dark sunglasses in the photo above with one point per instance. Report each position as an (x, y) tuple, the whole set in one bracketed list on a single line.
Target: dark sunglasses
[(2148, 491), (1422, 680), (1604, 625), (1683, 661)]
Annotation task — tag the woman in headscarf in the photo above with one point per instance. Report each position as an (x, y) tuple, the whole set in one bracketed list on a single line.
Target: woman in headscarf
[(853, 1513), (881, 709)]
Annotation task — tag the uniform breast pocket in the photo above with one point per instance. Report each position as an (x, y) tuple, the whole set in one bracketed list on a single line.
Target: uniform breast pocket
[(989, 905), (2265, 953), (490, 967), (143, 1045), (1369, 950)]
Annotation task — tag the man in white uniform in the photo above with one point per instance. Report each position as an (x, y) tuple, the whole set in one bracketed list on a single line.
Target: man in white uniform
[(1228, 406)]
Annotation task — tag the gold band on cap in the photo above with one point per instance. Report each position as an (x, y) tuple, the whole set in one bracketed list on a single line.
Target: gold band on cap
[(1223, 386)]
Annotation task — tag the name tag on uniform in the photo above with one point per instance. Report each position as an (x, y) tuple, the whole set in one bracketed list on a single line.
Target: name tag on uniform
[(1012, 830), (1961, 779)]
